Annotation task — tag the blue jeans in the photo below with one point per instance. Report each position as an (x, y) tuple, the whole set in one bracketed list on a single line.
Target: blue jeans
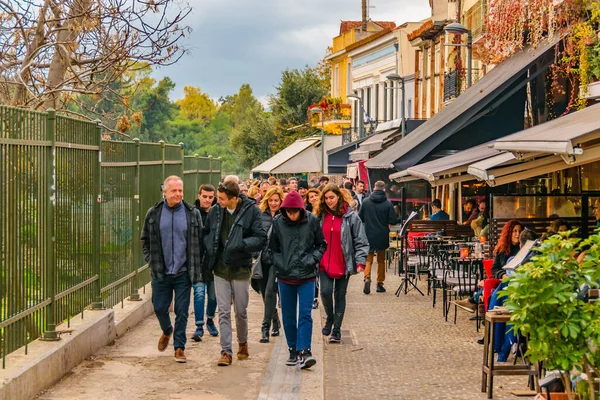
[(297, 300), (201, 290), (504, 335), (162, 295)]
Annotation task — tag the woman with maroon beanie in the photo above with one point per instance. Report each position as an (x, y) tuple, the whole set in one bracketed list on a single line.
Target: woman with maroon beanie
[(347, 249), (296, 247)]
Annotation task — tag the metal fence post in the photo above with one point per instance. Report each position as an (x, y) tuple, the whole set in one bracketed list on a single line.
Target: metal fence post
[(181, 149), (197, 176), (50, 333), (210, 173), (135, 296), (97, 304), (163, 147)]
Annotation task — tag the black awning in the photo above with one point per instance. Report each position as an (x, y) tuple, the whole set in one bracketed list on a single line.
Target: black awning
[(339, 157), (484, 108)]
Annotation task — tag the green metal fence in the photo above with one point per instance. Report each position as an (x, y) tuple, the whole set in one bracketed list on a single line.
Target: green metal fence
[(71, 212)]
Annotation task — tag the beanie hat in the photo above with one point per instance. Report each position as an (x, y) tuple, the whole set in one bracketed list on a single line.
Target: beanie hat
[(302, 184), (293, 200)]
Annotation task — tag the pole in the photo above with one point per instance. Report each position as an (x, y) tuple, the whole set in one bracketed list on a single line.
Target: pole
[(135, 284), (361, 120), (322, 142), (402, 109), (50, 333), (469, 58), (97, 303)]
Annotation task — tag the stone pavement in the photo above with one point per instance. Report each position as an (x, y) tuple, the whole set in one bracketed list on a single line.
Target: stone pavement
[(403, 349), (133, 368)]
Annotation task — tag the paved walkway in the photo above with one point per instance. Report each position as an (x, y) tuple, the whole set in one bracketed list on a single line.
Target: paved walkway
[(404, 349), (133, 368), (394, 347)]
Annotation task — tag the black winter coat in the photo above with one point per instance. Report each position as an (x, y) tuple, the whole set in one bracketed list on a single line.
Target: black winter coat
[(297, 247), (500, 261), (248, 235), (152, 244), (377, 213)]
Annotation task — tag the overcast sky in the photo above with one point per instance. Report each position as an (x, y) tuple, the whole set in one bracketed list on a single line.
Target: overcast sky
[(249, 41)]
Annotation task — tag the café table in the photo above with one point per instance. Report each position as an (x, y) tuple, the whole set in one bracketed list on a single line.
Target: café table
[(489, 369)]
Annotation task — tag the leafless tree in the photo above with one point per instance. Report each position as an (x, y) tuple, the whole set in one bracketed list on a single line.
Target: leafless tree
[(52, 50)]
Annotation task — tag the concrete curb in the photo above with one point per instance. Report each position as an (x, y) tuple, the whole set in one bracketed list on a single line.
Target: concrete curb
[(47, 362)]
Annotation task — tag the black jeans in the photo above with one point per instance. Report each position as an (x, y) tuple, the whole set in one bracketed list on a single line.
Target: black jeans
[(268, 290), (333, 297), (162, 295)]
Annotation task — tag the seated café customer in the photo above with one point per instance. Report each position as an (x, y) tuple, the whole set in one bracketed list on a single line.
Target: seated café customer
[(437, 214), (507, 247), (471, 211), (505, 337), (556, 226)]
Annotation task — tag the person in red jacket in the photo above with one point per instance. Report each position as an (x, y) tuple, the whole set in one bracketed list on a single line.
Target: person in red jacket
[(346, 253)]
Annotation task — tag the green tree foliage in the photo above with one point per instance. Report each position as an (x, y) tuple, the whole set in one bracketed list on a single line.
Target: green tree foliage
[(297, 90), (196, 105), (157, 110), (253, 137)]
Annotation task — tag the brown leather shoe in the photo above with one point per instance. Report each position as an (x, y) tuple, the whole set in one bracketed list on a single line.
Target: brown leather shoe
[(180, 356), (225, 359), (242, 353), (163, 342)]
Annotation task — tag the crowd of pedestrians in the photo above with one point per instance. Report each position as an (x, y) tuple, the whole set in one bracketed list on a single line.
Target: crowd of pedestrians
[(305, 241)]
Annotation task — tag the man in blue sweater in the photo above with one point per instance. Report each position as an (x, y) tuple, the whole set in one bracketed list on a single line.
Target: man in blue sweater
[(437, 214), (172, 246)]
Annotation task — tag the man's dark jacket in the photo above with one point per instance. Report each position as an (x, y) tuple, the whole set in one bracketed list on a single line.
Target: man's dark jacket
[(297, 247), (248, 235), (203, 212), (152, 244), (377, 213)]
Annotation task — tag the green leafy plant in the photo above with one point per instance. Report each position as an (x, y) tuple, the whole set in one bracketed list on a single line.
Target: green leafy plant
[(545, 298)]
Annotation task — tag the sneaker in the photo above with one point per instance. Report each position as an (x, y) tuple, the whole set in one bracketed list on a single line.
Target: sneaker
[(367, 287), (326, 331), (242, 353), (306, 359), (336, 336), (211, 327), (315, 304), (197, 336), (180, 356), (225, 359), (163, 342), (481, 341), (293, 359), (465, 304), (380, 288)]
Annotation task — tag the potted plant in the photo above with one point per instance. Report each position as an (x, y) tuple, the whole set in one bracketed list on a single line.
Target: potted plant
[(545, 298)]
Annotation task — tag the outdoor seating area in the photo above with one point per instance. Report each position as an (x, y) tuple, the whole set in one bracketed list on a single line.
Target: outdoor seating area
[(456, 265)]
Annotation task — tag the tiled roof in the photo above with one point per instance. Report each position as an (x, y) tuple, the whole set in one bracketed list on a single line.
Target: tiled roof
[(345, 26), (368, 39)]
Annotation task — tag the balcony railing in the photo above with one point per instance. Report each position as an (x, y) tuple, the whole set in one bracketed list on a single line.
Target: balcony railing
[(352, 134), (455, 82), (333, 113)]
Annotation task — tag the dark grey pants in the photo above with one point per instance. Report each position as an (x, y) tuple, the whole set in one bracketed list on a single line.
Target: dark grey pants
[(268, 290), (333, 297)]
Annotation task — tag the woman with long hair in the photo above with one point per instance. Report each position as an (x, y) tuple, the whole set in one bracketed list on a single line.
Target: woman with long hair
[(507, 247), (346, 254), (312, 199), (270, 207)]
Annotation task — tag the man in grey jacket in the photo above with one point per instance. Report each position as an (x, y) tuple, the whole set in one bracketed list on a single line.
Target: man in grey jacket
[(172, 246)]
